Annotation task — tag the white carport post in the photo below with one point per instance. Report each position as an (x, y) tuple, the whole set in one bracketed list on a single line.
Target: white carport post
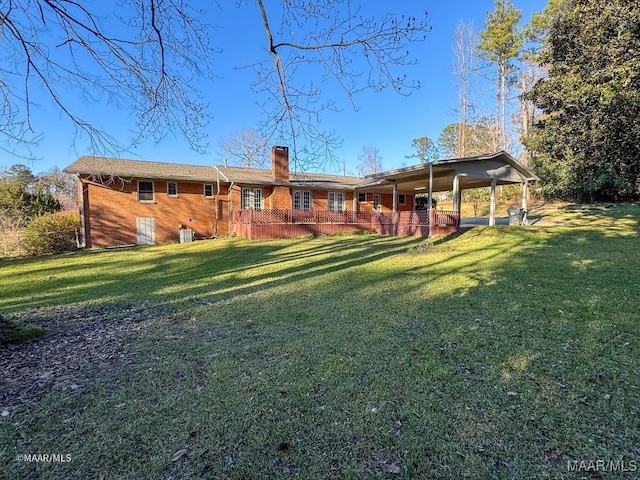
[(492, 207), (456, 193), (395, 197), (525, 194)]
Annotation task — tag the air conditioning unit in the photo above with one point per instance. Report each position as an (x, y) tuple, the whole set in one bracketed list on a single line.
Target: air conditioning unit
[(186, 235)]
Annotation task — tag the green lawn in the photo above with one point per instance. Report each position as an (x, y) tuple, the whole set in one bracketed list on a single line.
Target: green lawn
[(505, 352)]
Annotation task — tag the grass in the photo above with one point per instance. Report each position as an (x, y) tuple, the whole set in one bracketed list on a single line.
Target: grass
[(503, 353), (19, 334)]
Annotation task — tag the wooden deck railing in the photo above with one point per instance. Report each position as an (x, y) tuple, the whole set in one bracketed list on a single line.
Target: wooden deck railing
[(279, 216), (279, 223)]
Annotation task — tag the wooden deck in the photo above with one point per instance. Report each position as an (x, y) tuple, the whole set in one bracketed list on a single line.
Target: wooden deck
[(276, 223)]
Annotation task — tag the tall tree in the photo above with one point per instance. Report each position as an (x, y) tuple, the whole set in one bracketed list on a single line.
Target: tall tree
[(62, 186), (500, 44), (586, 138), (247, 148), (425, 149), (464, 67), (370, 161)]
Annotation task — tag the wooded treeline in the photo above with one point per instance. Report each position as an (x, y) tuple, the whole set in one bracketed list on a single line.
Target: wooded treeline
[(567, 89)]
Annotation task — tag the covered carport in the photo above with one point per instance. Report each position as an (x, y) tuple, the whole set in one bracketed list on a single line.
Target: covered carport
[(455, 175)]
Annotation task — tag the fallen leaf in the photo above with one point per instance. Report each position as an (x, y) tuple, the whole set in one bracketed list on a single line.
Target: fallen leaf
[(391, 468), (178, 455)]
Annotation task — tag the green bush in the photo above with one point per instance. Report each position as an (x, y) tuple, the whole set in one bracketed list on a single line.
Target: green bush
[(52, 233)]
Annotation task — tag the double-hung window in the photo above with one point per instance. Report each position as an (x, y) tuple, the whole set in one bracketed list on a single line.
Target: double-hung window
[(336, 201), (252, 198), (145, 191), (301, 200), (172, 189)]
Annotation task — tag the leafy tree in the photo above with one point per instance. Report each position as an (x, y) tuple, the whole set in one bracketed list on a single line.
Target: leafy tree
[(586, 139), (16, 200), (21, 174), (426, 150), (500, 44), (370, 161), (42, 202)]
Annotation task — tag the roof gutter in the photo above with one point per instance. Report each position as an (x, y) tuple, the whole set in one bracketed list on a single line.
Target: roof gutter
[(220, 173)]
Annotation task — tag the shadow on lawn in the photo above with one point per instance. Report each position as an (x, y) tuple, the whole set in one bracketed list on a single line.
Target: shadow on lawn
[(504, 353), (200, 270)]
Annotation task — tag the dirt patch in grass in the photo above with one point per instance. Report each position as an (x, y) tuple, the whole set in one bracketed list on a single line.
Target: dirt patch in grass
[(83, 344)]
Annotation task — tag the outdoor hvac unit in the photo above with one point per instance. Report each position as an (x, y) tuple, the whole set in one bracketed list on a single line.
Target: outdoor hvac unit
[(186, 235)]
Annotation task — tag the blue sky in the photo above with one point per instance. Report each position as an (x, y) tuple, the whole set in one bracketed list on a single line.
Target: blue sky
[(385, 120)]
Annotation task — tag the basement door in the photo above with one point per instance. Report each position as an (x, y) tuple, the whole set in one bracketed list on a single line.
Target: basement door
[(146, 230)]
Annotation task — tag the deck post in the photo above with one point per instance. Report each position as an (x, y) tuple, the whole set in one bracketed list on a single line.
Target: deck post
[(430, 198), (492, 207)]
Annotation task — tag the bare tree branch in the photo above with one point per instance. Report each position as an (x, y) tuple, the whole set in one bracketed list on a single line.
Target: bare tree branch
[(149, 67), (246, 148), (334, 35)]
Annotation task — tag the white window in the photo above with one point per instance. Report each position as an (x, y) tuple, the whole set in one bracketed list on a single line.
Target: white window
[(362, 197), (208, 190), (402, 199), (172, 189), (336, 201), (252, 198), (301, 200), (145, 191)]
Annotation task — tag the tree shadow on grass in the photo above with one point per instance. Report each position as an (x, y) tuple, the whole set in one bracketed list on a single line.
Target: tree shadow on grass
[(505, 353)]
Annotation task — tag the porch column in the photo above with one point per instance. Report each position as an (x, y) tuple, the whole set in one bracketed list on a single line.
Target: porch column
[(525, 194), (355, 201), (395, 197), (456, 193), (492, 207)]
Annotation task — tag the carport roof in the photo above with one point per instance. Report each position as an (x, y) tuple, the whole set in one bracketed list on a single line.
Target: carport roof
[(473, 172)]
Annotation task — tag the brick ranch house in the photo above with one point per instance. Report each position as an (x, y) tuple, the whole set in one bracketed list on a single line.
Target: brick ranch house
[(125, 202)]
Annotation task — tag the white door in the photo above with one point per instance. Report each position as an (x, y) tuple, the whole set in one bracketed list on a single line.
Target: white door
[(146, 229)]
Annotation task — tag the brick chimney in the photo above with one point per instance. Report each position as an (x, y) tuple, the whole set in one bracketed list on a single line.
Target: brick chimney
[(280, 164)]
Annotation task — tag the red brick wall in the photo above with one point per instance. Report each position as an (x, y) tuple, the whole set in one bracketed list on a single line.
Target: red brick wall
[(280, 164), (386, 200), (281, 198), (111, 212)]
